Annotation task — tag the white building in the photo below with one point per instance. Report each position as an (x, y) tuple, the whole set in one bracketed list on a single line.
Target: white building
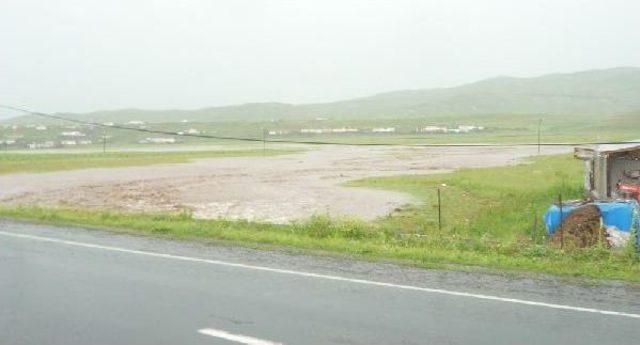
[(311, 131), (384, 130), (469, 128), (135, 122), (433, 129), (443, 129), (158, 141), (344, 130), (192, 131), (42, 145), (73, 134), (41, 128), (84, 142), (67, 142)]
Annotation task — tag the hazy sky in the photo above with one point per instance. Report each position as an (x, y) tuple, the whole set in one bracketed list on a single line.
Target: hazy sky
[(82, 55)]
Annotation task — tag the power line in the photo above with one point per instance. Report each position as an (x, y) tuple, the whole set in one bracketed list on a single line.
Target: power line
[(303, 142)]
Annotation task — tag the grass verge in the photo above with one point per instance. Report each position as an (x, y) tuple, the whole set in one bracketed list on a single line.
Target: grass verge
[(488, 222), (43, 162)]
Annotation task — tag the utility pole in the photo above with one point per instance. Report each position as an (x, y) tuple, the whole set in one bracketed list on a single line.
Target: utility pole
[(264, 142), (104, 140)]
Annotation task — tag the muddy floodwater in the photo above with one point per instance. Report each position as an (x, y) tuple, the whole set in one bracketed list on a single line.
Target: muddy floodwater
[(274, 189)]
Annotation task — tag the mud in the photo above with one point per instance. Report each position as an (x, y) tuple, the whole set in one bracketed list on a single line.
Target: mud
[(275, 189)]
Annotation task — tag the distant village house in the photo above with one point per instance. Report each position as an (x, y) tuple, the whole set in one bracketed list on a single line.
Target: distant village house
[(158, 141), (384, 130), (41, 145), (73, 134)]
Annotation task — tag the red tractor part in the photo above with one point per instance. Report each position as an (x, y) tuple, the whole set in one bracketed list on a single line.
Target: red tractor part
[(631, 189)]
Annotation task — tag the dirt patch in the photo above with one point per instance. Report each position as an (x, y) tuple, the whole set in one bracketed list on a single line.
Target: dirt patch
[(131, 196), (275, 189), (580, 229)]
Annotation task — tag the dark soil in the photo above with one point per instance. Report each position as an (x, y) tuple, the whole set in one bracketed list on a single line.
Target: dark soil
[(581, 229)]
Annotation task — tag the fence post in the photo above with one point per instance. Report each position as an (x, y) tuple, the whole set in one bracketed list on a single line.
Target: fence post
[(560, 224), (534, 231), (439, 211), (539, 125)]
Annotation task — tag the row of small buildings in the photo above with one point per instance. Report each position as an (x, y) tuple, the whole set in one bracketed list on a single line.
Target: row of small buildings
[(425, 129), (333, 130), (17, 127), (447, 129), (49, 144)]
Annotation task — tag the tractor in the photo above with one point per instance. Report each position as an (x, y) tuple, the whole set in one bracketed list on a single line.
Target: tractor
[(611, 187)]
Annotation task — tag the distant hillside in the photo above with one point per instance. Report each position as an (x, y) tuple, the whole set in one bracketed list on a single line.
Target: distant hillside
[(592, 92)]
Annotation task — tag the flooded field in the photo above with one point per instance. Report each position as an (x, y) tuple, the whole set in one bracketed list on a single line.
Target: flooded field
[(275, 189)]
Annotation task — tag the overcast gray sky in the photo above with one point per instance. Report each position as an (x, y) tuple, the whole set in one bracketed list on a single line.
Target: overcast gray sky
[(83, 55)]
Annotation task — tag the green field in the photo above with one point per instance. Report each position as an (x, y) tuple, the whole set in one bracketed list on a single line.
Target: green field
[(11, 162), (488, 217), (504, 128)]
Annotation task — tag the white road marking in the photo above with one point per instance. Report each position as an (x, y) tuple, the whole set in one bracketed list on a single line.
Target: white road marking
[(323, 276), (243, 339)]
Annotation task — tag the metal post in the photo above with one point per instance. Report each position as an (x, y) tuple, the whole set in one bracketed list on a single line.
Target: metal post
[(535, 227), (560, 225), (439, 211)]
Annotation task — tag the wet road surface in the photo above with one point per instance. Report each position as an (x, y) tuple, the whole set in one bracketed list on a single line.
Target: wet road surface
[(62, 285)]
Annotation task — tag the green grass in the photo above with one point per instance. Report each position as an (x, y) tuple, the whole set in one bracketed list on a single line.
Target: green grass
[(488, 222), (488, 202), (11, 162), (500, 128)]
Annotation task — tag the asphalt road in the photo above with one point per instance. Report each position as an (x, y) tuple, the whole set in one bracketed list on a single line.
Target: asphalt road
[(76, 286)]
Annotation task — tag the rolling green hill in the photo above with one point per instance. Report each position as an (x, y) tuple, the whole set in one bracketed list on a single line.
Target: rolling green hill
[(594, 92)]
